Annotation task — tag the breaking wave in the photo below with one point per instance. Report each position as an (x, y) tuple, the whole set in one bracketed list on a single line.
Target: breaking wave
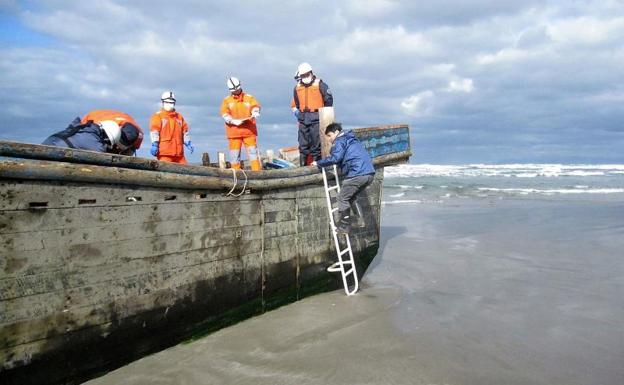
[(505, 170)]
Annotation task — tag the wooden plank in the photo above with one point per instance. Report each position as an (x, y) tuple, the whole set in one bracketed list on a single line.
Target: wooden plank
[(326, 117)]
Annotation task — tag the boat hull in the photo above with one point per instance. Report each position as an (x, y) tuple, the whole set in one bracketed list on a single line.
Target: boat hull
[(95, 275)]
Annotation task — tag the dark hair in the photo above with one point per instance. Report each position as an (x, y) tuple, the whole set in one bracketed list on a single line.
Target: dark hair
[(334, 127), (129, 134)]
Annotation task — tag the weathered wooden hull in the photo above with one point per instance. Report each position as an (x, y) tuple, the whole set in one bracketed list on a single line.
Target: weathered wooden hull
[(101, 265)]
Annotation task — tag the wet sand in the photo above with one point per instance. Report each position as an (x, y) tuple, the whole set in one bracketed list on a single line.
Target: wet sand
[(466, 292)]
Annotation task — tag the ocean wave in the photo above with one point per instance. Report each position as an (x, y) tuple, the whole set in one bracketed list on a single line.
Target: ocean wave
[(532, 170), (399, 201), (404, 186), (527, 191)]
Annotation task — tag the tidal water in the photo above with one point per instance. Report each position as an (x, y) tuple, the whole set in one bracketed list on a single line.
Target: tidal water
[(510, 274)]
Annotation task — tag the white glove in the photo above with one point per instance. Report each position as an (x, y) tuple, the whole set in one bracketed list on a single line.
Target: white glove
[(236, 122), (255, 112)]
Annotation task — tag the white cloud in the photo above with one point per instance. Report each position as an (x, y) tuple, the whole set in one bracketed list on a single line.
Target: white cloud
[(502, 56), (461, 85), (420, 104), (586, 30), (371, 8), (363, 46)]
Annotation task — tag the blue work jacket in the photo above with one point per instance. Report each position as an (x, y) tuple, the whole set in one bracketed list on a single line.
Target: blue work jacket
[(350, 155)]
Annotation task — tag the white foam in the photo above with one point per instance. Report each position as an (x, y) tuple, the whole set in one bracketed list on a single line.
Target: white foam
[(526, 191), (530, 170), (398, 202), (397, 195)]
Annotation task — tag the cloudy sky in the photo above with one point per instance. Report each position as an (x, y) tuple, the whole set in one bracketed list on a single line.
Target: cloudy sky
[(478, 81)]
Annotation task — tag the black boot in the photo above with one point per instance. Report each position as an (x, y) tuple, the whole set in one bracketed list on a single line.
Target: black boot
[(344, 223), (302, 160)]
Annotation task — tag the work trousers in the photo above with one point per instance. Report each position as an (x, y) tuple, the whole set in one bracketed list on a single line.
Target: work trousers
[(309, 140), (173, 159), (350, 188), (252, 152)]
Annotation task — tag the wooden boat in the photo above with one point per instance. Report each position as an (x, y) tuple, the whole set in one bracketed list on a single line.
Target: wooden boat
[(106, 258)]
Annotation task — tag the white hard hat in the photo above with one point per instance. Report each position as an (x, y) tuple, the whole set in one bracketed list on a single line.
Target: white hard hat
[(303, 68), (233, 83), (168, 96), (112, 131)]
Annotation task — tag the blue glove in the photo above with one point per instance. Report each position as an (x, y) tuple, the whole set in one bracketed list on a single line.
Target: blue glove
[(154, 149), (297, 113), (189, 146)]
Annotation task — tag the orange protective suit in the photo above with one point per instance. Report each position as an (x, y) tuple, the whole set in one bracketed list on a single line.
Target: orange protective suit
[(240, 107), (121, 118), (169, 129)]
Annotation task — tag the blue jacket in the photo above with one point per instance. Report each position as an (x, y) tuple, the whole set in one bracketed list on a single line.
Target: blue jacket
[(80, 136), (350, 155)]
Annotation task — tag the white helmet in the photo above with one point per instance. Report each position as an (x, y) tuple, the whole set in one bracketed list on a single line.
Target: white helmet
[(303, 69), (233, 84), (112, 131), (168, 96)]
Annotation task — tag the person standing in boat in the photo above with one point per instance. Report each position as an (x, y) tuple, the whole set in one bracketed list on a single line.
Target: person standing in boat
[(356, 166), (310, 94), (240, 111), (100, 130), (169, 132)]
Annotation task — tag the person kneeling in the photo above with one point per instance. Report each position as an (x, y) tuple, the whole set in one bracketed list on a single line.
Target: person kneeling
[(356, 166)]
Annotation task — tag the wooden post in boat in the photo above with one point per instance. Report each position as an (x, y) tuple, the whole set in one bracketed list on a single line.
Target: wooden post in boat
[(206, 159), (221, 156), (326, 117), (269, 155)]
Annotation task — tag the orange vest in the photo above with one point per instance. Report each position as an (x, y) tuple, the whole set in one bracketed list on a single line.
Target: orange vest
[(310, 97), (121, 118), (171, 128), (239, 107)]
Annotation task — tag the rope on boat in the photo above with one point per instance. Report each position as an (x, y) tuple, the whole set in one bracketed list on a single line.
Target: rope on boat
[(235, 182)]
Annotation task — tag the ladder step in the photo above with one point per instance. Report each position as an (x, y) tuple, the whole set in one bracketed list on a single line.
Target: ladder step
[(334, 209), (350, 271), (343, 252), (334, 268), (332, 188)]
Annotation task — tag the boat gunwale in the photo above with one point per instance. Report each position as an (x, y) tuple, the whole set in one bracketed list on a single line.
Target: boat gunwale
[(235, 180), (19, 150)]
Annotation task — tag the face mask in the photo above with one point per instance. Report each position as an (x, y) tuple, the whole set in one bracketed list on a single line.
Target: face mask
[(307, 79), (168, 106)]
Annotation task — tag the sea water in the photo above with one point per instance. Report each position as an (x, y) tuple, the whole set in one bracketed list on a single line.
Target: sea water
[(438, 183), (486, 274)]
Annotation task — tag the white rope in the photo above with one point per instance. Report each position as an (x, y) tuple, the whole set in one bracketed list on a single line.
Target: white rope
[(235, 181)]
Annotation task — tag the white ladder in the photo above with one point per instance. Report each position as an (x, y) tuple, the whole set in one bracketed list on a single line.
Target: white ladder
[(346, 263)]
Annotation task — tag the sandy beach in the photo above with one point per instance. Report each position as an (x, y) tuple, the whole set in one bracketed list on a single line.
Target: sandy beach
[(469, 291)]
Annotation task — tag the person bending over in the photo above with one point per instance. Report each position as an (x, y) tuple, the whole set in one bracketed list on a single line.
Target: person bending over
[(101, 130)]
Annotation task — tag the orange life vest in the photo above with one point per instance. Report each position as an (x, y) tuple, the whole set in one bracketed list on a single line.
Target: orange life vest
[(121, 118), (171, 128), (239, 107), (310, 97)]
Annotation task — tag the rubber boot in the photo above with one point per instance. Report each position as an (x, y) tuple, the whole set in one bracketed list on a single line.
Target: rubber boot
[(302, 160), (344, 223)]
